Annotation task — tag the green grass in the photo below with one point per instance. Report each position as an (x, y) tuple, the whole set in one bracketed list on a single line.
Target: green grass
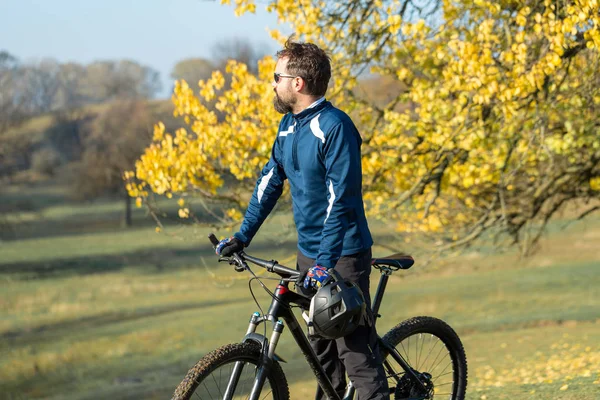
[(122, 314)]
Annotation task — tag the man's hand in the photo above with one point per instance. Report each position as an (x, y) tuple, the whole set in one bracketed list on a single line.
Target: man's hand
[(227, 247), (316, 277)]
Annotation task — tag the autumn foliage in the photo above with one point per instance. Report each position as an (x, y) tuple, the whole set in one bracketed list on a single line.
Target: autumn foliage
[(496, 127)]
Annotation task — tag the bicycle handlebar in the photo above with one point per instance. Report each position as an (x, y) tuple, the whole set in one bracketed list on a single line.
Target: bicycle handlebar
[(272, 266), (213, 239)]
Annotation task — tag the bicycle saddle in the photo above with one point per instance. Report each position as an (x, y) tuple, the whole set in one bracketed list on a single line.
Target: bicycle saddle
[(396, 261)]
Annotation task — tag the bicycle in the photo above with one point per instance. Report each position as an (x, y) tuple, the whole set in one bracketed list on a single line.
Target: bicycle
[(251, 368)]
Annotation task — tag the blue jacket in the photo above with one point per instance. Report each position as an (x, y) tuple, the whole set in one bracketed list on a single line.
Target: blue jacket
[(318, 152)]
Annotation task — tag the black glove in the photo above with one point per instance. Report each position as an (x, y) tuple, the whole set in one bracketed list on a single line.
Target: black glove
[(227, 247)]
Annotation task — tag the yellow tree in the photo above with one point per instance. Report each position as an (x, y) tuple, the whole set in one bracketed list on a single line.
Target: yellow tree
[(495, 128)]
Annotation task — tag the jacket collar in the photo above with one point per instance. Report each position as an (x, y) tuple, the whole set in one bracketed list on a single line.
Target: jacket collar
[(317, 102), (311, 110)]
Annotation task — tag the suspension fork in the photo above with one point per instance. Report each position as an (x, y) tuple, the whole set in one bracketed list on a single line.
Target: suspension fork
[(267, 357), (239, 366), (265, 361), (275, 311)]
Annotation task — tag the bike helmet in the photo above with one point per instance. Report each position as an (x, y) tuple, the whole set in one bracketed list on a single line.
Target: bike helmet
[(336, 309)]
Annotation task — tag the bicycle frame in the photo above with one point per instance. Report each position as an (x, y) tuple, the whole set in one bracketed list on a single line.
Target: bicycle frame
[(280, 308)]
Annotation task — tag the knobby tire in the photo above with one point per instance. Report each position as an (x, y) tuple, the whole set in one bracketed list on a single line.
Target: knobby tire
[(430, 329), (249, 352)]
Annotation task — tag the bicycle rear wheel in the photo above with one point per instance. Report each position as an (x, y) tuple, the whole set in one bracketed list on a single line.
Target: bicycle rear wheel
[(436, 354), (210, 377)]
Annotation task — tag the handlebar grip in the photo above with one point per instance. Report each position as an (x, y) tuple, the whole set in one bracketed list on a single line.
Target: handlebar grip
[(213, 239)]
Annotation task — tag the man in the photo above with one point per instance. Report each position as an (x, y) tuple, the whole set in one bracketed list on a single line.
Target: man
[(317, 150)]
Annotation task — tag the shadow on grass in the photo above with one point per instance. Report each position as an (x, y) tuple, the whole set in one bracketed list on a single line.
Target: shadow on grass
[(49, 331), (92, 222), (51, 212), (29, 200), (154, 260)]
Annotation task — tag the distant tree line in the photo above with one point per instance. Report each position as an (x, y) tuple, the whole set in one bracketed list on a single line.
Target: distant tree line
[(90, 146), (34, 88)]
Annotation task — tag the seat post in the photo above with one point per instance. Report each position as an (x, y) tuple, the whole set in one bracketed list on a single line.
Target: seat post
[(385, 275)]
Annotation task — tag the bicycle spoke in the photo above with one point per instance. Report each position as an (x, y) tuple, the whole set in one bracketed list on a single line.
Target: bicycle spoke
[(220, 374), (217, 383), (421, 350), (267, 395), (250, 379), (207, 391), (429, 353), (244, 382), (444, 370), (218, 386), (416, 352), (405, 352), (435, 346), (425, 353), (439, 362), (392, 371), (408, 355), (435, 360), (447, 373)]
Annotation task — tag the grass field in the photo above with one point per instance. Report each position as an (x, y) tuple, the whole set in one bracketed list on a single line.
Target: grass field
[(92, 311)]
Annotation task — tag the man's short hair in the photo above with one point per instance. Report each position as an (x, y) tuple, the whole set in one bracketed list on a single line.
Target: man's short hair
[(309, 62)]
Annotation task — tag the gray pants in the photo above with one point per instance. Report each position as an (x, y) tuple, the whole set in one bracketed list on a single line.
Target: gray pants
[(358, 353)]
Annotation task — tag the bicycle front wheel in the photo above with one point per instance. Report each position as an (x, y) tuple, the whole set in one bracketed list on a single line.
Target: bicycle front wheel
[(231, 369), (434, 352)]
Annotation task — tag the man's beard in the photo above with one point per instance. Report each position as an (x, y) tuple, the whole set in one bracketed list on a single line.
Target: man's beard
[(281, 106)]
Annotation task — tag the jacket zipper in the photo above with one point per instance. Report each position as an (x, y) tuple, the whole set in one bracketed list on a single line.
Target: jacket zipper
[(295, 150)]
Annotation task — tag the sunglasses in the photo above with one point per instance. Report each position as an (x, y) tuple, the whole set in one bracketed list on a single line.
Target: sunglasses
[(277, 76)]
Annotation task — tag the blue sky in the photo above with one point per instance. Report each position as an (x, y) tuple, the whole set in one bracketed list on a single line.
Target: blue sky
[(156, 33)]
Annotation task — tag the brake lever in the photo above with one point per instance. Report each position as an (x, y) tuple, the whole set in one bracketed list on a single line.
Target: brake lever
[(238, 263), (232, 261), (237, 267)]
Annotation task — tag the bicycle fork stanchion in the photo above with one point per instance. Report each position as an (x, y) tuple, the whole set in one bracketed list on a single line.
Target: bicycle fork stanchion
[(275, 339), (267, 360), (253, 323), (239, 366)]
